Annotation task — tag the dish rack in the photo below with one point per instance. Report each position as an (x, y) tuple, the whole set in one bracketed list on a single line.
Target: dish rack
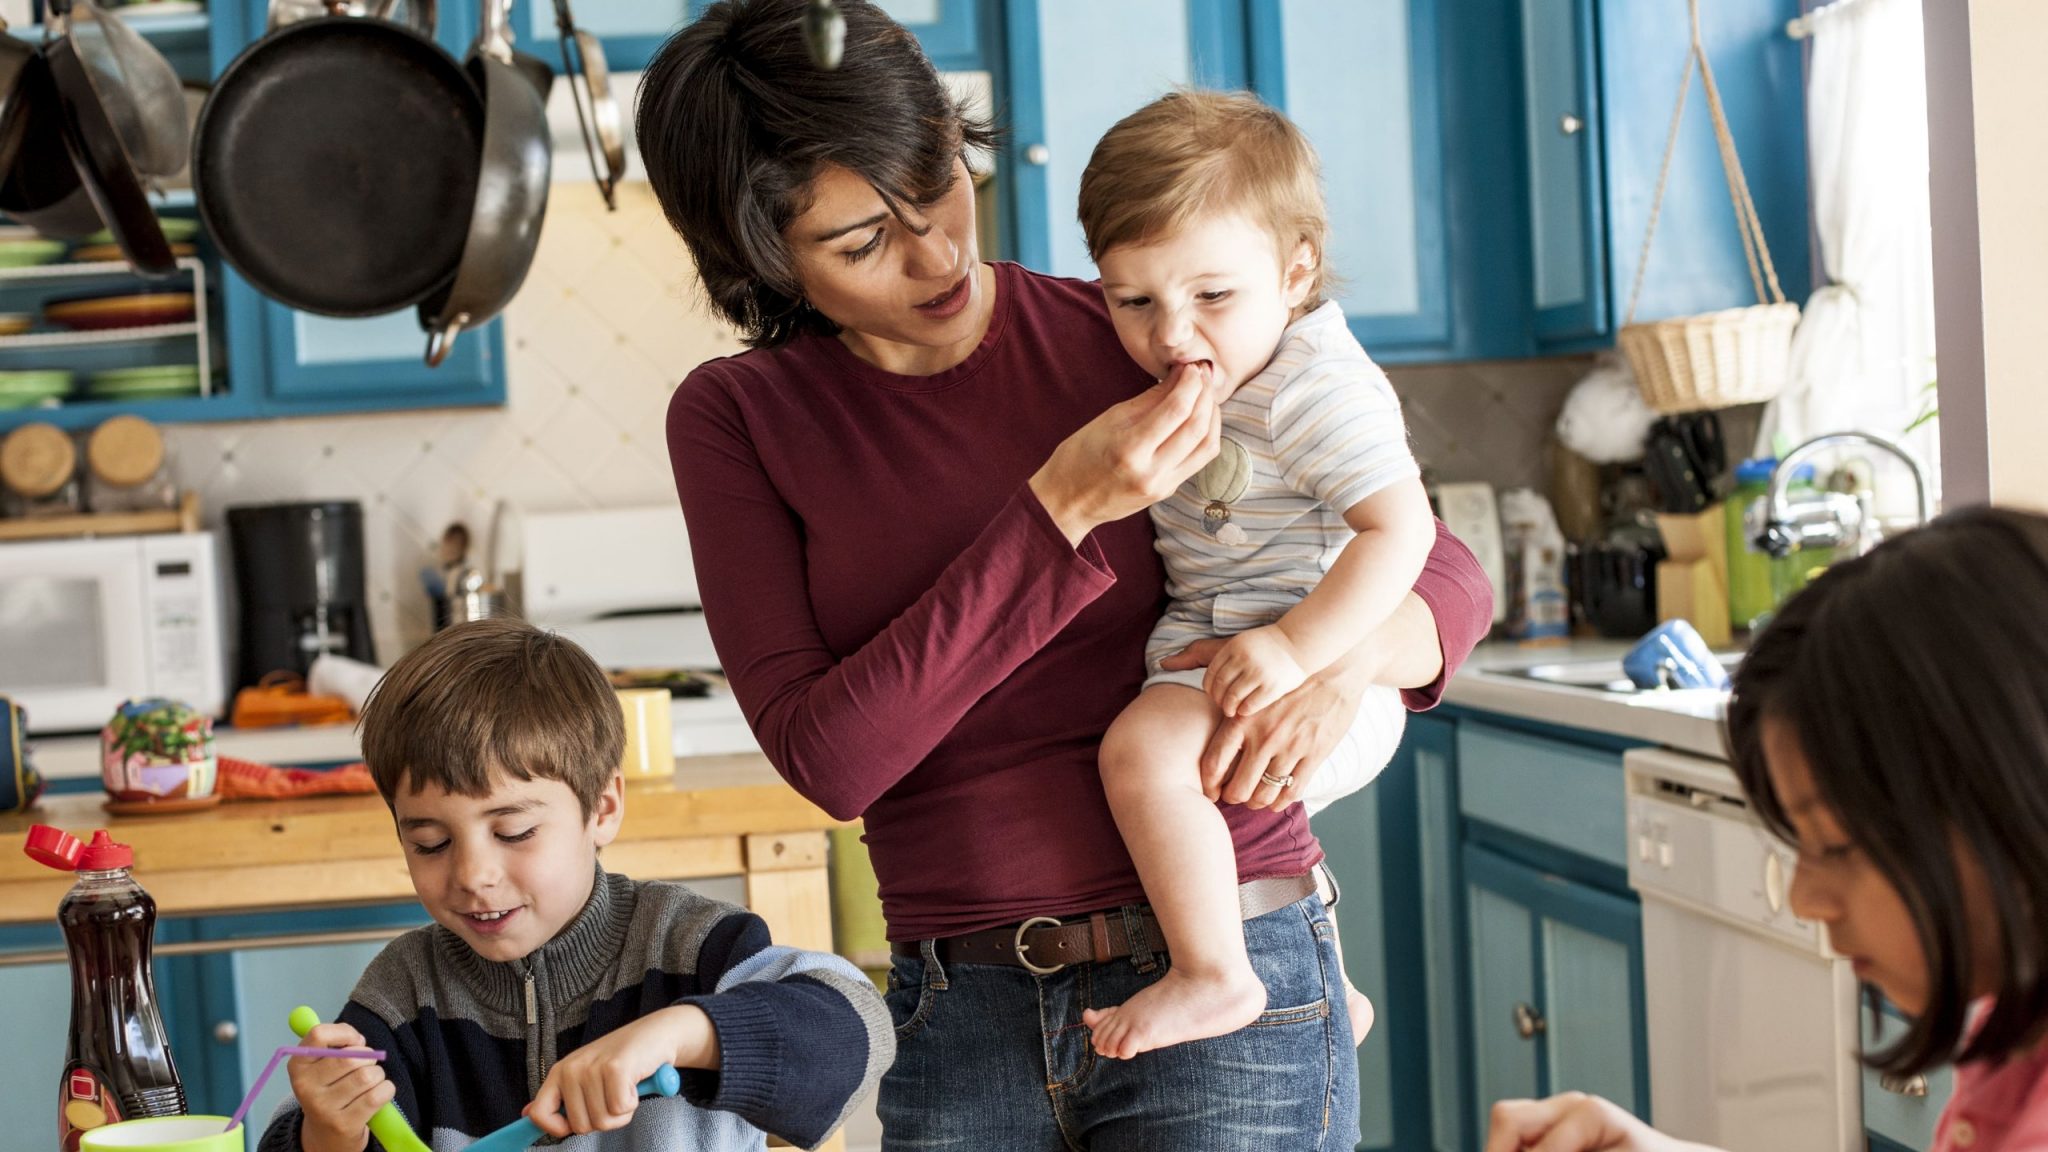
[(194, 329)]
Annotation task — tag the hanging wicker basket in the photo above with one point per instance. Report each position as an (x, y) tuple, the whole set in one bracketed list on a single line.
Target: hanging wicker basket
[(1714, 359)]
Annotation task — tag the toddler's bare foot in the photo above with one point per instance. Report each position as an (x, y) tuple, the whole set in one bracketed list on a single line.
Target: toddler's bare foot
[(1180, 1008), (1360, 1007)]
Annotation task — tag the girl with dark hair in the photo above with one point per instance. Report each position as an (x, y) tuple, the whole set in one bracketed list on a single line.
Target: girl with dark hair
[(1892, 725), (916, 511)]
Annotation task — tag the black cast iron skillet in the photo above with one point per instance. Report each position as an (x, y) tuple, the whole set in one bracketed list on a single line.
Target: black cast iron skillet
[(103, 164), (511, 192), (15, 56), (335, 165), (42, 189)]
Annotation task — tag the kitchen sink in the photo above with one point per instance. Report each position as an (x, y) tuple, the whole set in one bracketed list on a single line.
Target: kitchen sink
[(1597, 675)]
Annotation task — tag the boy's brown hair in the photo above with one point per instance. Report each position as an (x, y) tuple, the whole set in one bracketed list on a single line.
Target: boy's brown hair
[(1193, 152), (494, 695)]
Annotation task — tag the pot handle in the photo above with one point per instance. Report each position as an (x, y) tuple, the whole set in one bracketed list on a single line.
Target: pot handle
[(440, 341)]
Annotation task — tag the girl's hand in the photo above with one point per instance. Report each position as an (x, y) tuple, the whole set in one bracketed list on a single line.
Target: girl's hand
[(1255, 668), (337, 1096), (1574, 1122), (1292, 737), (1133, 455)]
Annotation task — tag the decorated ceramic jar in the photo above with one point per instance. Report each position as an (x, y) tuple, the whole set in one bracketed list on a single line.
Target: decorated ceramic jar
[(157, 749)]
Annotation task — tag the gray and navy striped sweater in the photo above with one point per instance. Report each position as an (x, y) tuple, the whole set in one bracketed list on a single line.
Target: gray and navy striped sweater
[(802, 1035)]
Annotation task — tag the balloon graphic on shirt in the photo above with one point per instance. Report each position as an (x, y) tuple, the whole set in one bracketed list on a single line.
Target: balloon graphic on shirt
[(1221, 481)]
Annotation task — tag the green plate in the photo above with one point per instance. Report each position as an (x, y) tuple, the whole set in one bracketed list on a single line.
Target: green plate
[(166, 374), (176, 230), (28, 253), (40, 382)]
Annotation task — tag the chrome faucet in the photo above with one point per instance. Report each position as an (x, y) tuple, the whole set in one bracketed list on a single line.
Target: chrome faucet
[(1829, 519)]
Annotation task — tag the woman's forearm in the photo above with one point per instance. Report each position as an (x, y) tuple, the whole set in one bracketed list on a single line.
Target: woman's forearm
[(1403, 652)]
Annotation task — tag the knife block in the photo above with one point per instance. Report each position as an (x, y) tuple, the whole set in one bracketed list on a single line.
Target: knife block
[(1692, 582)]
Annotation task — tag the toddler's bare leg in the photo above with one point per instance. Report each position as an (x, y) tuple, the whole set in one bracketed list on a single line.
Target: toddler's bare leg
[(1151, 773)]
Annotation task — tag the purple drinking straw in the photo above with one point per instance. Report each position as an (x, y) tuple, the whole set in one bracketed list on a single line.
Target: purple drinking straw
[(293, 1050)]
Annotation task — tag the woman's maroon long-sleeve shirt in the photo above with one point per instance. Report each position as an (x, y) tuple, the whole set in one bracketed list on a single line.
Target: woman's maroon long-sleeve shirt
[(912, 639)]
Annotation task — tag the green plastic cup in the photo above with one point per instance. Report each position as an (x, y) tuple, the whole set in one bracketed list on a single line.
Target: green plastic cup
[(166, 1134)]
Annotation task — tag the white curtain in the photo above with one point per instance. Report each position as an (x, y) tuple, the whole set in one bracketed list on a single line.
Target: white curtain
[(1863, 357)]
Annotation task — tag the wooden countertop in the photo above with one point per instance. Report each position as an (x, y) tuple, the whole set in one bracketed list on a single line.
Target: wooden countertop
[(333, 850)]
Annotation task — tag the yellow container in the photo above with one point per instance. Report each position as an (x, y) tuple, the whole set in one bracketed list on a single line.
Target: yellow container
[(166, 1134), (650, 734)]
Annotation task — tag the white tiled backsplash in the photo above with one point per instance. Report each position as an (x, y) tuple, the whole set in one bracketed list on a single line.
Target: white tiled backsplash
[(607, 323)]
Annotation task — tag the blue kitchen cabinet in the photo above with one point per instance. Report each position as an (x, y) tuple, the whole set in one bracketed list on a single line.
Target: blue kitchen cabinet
[(1370, 840), (1561, 119), (1557, 986), (35, 1013), (1535, 917), (1075, 67), (1439, 887), (1599, 82), (1361, 79), (255, 970), (35, 1017)]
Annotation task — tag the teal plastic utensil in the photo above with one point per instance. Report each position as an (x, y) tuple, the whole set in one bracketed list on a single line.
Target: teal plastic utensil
[(387, 1124), (522, 1133)]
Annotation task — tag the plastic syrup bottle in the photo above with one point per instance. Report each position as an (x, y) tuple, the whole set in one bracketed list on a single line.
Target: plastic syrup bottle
[(117, 1063)]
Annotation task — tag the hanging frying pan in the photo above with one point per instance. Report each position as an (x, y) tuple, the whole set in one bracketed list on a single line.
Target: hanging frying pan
[(335, 165), (104, 167), (41, 189), (15, 56), (511, 192)]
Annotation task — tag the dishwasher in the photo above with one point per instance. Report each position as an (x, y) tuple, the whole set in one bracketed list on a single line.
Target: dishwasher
[(1752, 1017)]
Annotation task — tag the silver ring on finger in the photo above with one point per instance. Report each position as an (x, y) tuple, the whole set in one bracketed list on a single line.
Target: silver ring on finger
[(1280, 782)]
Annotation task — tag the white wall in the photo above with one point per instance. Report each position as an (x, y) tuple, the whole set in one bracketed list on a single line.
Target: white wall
[(1987, 74)]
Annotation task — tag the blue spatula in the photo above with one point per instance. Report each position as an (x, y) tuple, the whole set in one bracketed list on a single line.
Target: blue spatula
[(521, 1133)]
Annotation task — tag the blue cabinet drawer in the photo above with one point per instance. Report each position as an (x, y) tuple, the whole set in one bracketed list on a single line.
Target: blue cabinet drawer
[(1547, 790)]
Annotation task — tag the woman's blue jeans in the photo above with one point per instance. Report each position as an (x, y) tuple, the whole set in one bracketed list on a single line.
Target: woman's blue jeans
[(990, 1058)]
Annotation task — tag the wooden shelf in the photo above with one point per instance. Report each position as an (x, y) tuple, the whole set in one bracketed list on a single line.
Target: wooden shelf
[(183, 518)]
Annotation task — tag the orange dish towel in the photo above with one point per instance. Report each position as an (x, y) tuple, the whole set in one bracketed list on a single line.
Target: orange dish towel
[(247, 780)]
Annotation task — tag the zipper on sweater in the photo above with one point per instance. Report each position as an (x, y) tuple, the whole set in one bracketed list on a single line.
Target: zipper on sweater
[(532, 1002)]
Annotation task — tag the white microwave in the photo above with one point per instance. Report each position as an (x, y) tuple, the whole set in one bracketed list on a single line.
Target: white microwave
[(87, 624)]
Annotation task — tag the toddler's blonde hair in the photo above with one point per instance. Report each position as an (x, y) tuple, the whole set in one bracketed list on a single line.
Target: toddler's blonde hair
[(1193, 152)]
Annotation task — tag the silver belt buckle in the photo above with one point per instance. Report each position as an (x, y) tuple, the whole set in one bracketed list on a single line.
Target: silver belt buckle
[(1021, 947)]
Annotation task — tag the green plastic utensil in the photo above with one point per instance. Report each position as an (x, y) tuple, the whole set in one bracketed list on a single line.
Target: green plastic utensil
[(387, 1124)]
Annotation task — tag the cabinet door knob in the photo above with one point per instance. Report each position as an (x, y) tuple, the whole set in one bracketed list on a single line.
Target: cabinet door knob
[(1038, 155), (1569, 124), (1903, 1085), (1528, 1021), (226, 1031)]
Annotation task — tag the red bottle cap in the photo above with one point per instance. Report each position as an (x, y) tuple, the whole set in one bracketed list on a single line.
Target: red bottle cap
[(103, 854), (53, 847), (61, 850)]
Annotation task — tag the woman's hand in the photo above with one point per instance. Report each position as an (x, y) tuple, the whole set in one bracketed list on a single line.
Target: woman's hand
[(1574, 1122), (1133, 455), (1292, 737)]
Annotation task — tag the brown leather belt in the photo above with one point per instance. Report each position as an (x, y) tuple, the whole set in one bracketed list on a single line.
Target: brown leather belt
[(1045, 944)]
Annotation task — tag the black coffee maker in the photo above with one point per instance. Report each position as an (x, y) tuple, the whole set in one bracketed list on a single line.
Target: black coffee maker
[(299, 574)]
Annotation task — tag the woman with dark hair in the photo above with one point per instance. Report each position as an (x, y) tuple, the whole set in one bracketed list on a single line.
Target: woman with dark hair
[(916, 513), (1892, 725)]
